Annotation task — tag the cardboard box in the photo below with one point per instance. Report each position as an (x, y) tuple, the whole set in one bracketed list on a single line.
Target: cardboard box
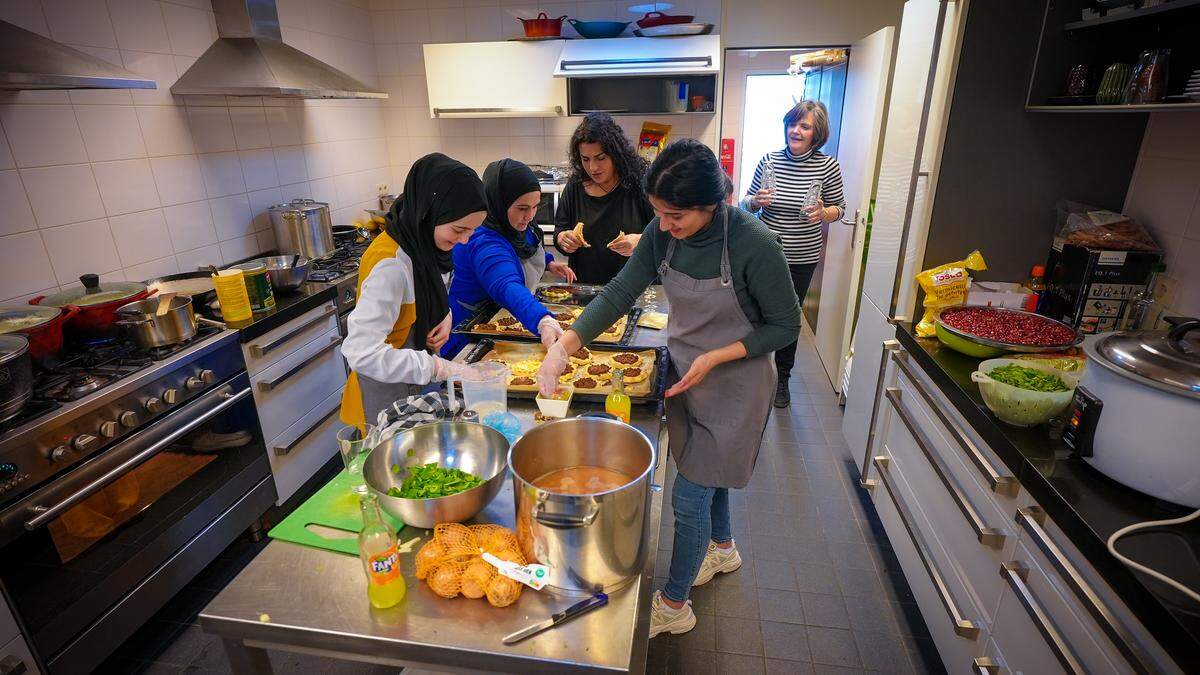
[(1091, 288)]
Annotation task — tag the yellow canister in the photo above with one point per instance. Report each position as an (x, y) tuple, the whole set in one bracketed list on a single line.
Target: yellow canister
[(231, 293)]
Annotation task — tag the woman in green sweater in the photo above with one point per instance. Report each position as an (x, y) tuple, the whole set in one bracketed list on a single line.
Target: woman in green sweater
[(731, 306)]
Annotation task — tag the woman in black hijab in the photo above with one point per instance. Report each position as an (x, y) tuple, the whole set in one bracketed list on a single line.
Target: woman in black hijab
[(401, 318), (505, 260)]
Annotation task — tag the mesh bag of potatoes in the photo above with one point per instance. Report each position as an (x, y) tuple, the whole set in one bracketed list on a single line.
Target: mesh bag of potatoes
[(452, 562)]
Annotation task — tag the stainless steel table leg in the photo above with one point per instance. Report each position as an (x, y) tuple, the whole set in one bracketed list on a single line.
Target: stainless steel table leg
[(246, 660)]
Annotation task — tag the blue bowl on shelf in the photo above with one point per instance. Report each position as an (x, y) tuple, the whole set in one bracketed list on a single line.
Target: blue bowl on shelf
[(596, 30)]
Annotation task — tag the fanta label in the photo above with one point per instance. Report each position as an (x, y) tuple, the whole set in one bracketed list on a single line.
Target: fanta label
[(385, 567)]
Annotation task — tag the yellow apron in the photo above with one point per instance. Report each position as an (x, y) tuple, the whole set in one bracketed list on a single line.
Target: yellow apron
[(382, 248)]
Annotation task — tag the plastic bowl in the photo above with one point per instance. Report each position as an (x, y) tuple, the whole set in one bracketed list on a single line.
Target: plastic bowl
[(556, 407), (1022, 407), (962, 345), (471, 447)]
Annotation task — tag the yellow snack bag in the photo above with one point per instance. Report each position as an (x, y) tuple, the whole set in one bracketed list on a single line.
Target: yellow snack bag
[(946, 286)]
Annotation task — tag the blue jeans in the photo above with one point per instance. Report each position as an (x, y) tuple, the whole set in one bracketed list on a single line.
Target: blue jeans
[(701, 515)]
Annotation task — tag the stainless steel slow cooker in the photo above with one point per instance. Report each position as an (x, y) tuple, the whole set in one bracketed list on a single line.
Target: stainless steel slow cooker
[(1136, 415), (590, 542)]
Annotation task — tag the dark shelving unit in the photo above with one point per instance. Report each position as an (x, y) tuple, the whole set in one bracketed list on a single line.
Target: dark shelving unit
[(634, 95), (1066, 41)]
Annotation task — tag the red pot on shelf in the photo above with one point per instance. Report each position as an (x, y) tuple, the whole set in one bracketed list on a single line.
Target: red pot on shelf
[(653, 19), (543, 26), (46, 336), (97, 303)]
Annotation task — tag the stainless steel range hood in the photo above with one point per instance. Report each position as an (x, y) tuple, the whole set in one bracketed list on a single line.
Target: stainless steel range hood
[(250, 59), (31, 61)]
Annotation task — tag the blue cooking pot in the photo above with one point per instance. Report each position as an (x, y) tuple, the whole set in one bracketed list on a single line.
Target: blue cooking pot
[(598, 29)]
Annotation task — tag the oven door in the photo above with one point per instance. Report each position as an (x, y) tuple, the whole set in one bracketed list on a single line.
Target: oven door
[(90, 556)]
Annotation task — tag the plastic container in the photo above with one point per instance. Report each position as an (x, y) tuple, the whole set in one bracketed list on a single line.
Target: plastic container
[(556, 407), (1022, 407), (231, 293), (484, 388)]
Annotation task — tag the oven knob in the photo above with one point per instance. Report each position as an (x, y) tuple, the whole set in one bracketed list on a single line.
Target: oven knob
[(193, 383), (153, 405), (128, 419), (84, 442), (208, 376), (59, 453), (108, 429), (171, 396)]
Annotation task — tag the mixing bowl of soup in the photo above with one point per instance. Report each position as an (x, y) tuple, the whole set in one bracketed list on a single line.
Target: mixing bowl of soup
[(581, 486)]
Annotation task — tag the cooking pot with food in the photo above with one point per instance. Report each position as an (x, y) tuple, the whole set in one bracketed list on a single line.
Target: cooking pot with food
[(1136, 412), (16, 375), (581, 486), (96, 320), (43, 326)]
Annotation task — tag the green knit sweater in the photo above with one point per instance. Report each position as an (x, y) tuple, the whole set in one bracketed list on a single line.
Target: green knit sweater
[(760, 278)]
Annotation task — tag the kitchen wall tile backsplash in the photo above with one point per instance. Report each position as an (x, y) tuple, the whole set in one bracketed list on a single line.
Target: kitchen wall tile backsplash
[(132, 184), (1164, 195)]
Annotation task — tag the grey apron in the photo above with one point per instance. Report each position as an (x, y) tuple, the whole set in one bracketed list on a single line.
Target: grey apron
[(716, 427), (378, 395)]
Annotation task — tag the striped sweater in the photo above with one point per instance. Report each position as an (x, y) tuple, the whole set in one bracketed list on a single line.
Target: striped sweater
[(802, 241)]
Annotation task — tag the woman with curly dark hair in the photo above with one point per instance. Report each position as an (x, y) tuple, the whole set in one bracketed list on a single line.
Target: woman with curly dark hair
[(604, 195)]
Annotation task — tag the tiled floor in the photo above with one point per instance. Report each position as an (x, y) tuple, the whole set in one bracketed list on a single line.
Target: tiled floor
[(819, 590)]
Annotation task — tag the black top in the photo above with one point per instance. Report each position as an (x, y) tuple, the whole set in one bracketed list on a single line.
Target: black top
[(1085, 504), (288, 307), (603, 218)]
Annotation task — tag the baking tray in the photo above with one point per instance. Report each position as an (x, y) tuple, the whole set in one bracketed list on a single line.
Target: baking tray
[(521, 350), (581, 294), (489, 309)]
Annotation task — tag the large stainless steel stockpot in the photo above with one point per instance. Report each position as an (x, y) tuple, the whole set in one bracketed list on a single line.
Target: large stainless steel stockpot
[(591, 542), (304, 227)]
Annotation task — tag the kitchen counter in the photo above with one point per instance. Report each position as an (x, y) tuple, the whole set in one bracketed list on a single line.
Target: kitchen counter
[(1085, 504), (291, 597), (287, 307)]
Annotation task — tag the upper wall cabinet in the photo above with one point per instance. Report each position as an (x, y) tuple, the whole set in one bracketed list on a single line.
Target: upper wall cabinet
[(635, 57), (495, 79)]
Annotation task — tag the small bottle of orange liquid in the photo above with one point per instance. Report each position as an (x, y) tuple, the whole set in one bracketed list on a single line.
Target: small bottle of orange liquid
[(618, 402)]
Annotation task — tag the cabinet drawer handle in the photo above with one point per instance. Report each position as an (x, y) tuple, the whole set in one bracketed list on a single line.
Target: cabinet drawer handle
[(962, 627), (1000, 483), (617, 64), (268, 385), (988, 536), (1030, 518), (865, 470), (284, 450), (1016, 573), (986, 665), (548, 110), (259, 351)]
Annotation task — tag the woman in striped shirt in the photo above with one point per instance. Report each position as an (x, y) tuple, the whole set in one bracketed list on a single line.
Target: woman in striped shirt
[(781, 186)]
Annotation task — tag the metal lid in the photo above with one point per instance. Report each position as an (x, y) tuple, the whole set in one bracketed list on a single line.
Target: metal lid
[(253, 266), (1166, 360), (16, 318), (12, 346), (94, 293), (299, 206)]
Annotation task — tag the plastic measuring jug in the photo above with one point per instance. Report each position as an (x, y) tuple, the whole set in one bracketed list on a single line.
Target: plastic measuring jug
[(484, 388)]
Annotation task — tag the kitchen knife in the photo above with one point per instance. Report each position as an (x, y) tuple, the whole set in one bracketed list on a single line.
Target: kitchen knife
[(597, 600)]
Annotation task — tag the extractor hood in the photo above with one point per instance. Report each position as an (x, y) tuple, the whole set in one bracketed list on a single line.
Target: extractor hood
[(31, 61), (249, 58)]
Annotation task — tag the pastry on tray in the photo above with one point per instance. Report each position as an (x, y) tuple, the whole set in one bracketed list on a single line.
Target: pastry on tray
[(557, 294), (586, 383), (634, 374), (600, 371), (581, 357), (626, 359)]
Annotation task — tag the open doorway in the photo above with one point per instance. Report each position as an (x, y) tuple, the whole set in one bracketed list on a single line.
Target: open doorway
[(760, 86)]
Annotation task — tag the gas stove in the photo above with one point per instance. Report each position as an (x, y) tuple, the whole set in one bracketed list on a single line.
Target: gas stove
[(340, 270)]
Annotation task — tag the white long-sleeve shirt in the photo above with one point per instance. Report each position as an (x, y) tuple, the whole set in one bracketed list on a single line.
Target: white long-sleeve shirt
[(387, 289)]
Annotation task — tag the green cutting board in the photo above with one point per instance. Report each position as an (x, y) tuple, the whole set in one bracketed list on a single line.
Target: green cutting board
[(333, 506)]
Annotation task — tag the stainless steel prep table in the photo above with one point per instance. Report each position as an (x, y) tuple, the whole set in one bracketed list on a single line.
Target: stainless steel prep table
[(315, 602)]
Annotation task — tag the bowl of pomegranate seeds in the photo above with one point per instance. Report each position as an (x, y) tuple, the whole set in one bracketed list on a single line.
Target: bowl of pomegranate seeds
[(984, 332)]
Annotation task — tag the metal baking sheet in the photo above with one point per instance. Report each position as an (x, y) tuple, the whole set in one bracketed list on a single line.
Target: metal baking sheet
[(649, 390), (489, 311)]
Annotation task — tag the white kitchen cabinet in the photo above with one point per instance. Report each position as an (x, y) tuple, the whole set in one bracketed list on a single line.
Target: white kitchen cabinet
[(495, 79), (298, 382), (273, 345), (303, 448), (633, 57)]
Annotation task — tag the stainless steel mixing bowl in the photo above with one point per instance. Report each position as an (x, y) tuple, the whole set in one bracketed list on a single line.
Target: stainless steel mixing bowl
[(285, 277), (471, 447)]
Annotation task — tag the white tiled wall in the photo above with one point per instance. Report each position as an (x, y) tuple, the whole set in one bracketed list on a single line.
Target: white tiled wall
[(401, 27), (1165, 196), (135, 184)]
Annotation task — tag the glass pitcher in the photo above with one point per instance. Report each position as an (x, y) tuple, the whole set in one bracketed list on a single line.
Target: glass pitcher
[(484, 388)]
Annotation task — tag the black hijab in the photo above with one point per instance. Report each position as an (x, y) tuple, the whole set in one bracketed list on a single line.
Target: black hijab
[(504, 181), (438, 190)]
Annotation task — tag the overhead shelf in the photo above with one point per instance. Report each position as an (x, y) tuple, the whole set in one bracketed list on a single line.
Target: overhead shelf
[(1172, 6)]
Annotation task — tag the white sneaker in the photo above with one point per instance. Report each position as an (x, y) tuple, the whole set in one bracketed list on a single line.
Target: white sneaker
[(716, 560), (665, 619)]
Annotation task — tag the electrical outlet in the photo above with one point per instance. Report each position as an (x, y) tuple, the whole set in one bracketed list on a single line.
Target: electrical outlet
[(381, 188), (1166, 290)]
